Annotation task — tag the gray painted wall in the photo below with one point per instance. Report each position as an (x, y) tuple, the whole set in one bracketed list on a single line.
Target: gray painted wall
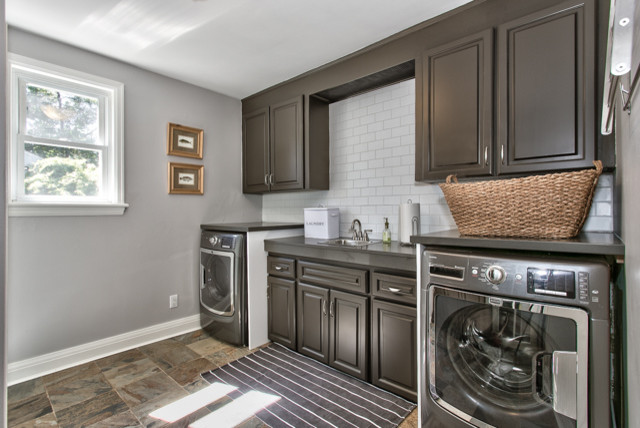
[(3, 222), (628, 155), (73, 280)]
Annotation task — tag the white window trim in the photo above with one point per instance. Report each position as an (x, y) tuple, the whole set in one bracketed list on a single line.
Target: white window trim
[(115, 205)]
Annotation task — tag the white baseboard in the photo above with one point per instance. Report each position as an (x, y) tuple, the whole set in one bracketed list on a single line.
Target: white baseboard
[(31, 368)]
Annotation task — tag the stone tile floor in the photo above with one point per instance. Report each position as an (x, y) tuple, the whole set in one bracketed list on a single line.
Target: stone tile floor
[(122, 389)]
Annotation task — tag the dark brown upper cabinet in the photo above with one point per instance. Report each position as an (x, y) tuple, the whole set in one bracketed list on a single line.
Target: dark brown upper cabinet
[(255, 151), (542, 107), (280, 153), (546, 90), (285, 157), (457, 114)]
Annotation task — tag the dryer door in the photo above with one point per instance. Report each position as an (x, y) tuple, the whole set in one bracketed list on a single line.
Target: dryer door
[(217, 281), (501, 362)]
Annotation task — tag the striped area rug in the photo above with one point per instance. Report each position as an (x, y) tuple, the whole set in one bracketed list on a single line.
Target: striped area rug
[(312, 394)]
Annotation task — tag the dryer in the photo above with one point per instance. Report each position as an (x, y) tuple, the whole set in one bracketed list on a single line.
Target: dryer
[(223, 290), (513, 340)]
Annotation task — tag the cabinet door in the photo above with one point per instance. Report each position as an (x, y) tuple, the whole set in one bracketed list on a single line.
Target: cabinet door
[(394, 348), (348, 333), (255, 151), (546, 90), (282, 311), (287, 161), (457, 109), (313, 322)]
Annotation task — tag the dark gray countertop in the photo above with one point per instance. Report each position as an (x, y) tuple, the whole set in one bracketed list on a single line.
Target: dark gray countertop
[(608, 244), (388, 256), (249, 226)]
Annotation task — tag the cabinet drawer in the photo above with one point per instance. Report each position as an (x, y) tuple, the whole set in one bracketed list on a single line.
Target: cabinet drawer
[(333, 276), (281, 266), (394, 287)]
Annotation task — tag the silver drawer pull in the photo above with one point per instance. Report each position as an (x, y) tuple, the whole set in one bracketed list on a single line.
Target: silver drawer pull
[(280, 268), (394, 290)]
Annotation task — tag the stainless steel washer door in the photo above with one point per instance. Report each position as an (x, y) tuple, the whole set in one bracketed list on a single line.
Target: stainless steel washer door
[(500, 362), (217, 281)]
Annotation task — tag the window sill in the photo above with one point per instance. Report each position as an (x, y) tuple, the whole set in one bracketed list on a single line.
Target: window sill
[(20, 209)]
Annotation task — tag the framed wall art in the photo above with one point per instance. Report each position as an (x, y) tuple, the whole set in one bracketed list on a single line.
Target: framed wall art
[(186, 178), (184, 141)]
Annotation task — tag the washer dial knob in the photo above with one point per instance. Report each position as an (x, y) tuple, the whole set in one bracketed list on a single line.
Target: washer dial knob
[(495, 275), (214, 240)]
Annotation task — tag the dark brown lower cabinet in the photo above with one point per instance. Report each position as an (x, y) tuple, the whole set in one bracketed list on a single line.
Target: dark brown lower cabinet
[(394, 348), (348, 333), (332, 328), (313, 322), (282, 311)]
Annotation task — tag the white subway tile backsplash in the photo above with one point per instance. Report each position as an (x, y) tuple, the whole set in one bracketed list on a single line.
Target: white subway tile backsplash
[(383, 116), (393, 104), (364, 100), (603, 193), (392, 161), (375, 108), (596, 224), (401, 130), (391, 181), (606, 180), (392, 123), (603, 209), (360, 130), (384, 134), (373, 127), (376, 164), (402, 89), (372, 170)]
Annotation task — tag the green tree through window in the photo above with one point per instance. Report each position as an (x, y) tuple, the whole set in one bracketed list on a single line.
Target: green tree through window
[(63, 116)]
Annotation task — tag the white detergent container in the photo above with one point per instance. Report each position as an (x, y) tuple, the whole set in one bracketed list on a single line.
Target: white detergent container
[(322, 223), (409, 222)]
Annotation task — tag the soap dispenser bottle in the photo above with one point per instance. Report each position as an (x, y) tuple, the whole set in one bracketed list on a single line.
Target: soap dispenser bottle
[(386, 233)]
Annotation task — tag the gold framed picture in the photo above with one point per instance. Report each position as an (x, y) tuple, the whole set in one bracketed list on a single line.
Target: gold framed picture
[(186, 179), (184, 141)]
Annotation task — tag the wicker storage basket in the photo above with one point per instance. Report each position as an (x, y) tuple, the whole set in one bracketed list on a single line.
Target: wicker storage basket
[(539, 206)]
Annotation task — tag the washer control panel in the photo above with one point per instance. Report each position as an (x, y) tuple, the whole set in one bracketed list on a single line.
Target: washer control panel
[(534, 277), (220, 241)]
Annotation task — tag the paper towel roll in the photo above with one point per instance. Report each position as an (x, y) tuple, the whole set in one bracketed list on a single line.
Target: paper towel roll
[(409, 222)]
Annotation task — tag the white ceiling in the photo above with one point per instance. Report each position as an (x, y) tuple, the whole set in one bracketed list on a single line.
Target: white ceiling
[(235, 47)]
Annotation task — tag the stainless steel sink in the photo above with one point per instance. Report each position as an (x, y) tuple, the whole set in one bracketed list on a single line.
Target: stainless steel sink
[(345, 242)]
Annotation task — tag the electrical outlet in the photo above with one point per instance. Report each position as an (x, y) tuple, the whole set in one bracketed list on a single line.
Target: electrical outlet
[(173, 301)]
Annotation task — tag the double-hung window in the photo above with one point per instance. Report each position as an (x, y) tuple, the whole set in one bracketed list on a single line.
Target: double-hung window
[(66, 150)]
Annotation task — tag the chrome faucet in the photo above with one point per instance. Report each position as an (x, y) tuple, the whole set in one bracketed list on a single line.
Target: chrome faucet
[(356, 235)]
